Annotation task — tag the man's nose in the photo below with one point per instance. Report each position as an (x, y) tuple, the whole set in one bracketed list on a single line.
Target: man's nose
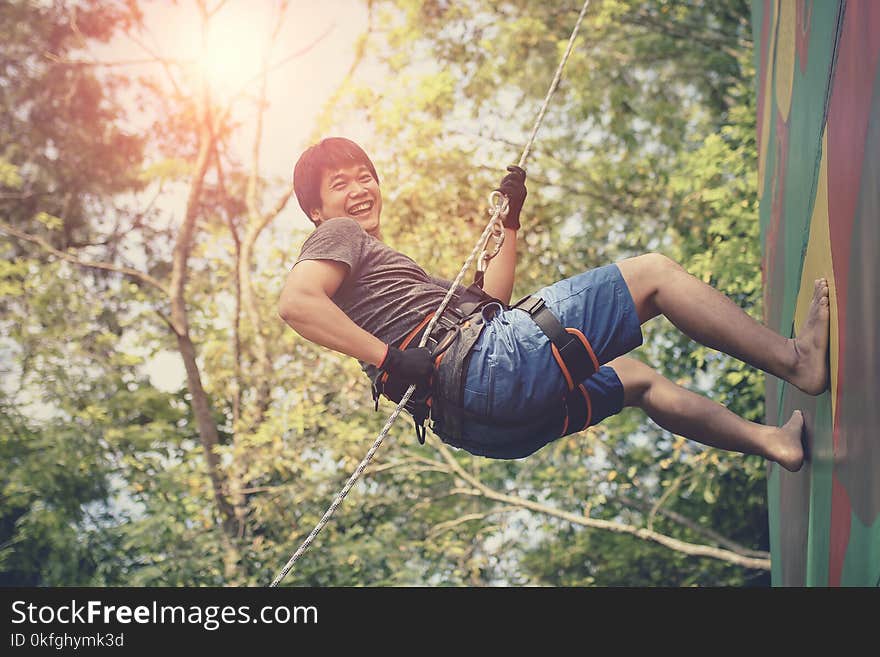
[(357, 189)]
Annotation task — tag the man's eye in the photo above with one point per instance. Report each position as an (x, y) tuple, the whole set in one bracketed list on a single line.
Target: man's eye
[(366, 179)]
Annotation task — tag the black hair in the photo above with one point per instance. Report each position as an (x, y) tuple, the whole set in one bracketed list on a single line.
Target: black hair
[(332, 152)]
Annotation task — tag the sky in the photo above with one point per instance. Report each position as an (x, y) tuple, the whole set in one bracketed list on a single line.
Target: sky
[(298, 86), (240, 28)]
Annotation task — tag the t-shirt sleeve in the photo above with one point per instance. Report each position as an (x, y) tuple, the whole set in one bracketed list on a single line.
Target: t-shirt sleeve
[(340, 239)]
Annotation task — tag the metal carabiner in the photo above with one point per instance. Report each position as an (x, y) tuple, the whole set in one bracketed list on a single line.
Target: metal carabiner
[(498, 205), (498, 201)]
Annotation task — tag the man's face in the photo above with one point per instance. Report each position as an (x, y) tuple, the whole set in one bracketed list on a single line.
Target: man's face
[(350, 192)]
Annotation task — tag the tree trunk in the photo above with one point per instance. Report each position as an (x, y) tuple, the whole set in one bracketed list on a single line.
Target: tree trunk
[(201, 407)]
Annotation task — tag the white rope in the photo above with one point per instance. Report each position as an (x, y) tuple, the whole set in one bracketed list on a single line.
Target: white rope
[(553, 85), (498, 230), (498, 209)]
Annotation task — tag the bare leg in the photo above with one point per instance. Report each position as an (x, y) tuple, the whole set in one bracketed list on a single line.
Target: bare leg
[(693, 416), (660, 286)]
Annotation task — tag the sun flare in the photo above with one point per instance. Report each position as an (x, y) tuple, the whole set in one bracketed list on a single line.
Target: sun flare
[(234, 49)]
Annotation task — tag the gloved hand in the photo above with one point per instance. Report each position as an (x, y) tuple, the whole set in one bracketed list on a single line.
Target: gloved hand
[(513, 186), (409, 366)]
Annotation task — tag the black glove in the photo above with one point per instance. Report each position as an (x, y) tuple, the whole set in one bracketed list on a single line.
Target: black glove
[(409, 366), (513, 186)]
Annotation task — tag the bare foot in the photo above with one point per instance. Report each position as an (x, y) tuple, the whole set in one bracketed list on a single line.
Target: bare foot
[(787, 448), (810, 373)]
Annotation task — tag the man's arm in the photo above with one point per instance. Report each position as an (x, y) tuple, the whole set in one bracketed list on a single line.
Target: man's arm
[(501, 272), (307, 307)]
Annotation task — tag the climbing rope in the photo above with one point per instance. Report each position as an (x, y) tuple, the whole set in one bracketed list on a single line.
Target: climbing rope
[(498, 209)]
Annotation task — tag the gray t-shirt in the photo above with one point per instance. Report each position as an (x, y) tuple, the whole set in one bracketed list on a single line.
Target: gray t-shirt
[(385, 292)]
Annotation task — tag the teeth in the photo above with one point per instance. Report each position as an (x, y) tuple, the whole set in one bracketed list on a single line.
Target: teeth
[(360, 207)]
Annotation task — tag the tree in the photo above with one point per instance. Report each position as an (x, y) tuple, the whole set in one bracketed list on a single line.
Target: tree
[(63, 156), (62, 93)]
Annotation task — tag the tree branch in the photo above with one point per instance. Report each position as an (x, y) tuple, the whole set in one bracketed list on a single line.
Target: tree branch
[(162, 60), (82, 63), (441, 527), (480, 489), (693, 526), (287, 58), (106, 266), (212, 12)]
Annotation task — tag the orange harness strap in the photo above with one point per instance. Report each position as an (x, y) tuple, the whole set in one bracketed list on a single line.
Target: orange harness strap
[(575, 357)]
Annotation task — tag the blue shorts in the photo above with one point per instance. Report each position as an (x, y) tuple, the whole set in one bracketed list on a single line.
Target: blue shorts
[(514, 389)]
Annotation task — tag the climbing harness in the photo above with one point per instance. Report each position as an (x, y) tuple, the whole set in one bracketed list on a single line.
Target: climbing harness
[(498, 209), (442, 397), (456, 317)]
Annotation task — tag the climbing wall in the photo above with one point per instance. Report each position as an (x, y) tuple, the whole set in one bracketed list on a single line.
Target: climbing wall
[(819, 184)]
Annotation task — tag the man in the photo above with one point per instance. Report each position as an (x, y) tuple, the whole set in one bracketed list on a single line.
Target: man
[(503, 382)]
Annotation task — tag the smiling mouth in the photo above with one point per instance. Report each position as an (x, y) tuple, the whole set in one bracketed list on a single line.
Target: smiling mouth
[(360, 209)]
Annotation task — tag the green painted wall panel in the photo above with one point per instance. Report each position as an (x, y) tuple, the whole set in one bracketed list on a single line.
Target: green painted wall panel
[(818, 83)]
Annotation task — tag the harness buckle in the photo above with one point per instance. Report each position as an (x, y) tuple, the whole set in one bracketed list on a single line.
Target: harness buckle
[(530, 304), (376, 392), (421, 432), (489, 311)]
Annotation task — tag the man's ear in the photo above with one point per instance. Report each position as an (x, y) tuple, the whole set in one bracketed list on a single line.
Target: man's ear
[(316, 216)]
